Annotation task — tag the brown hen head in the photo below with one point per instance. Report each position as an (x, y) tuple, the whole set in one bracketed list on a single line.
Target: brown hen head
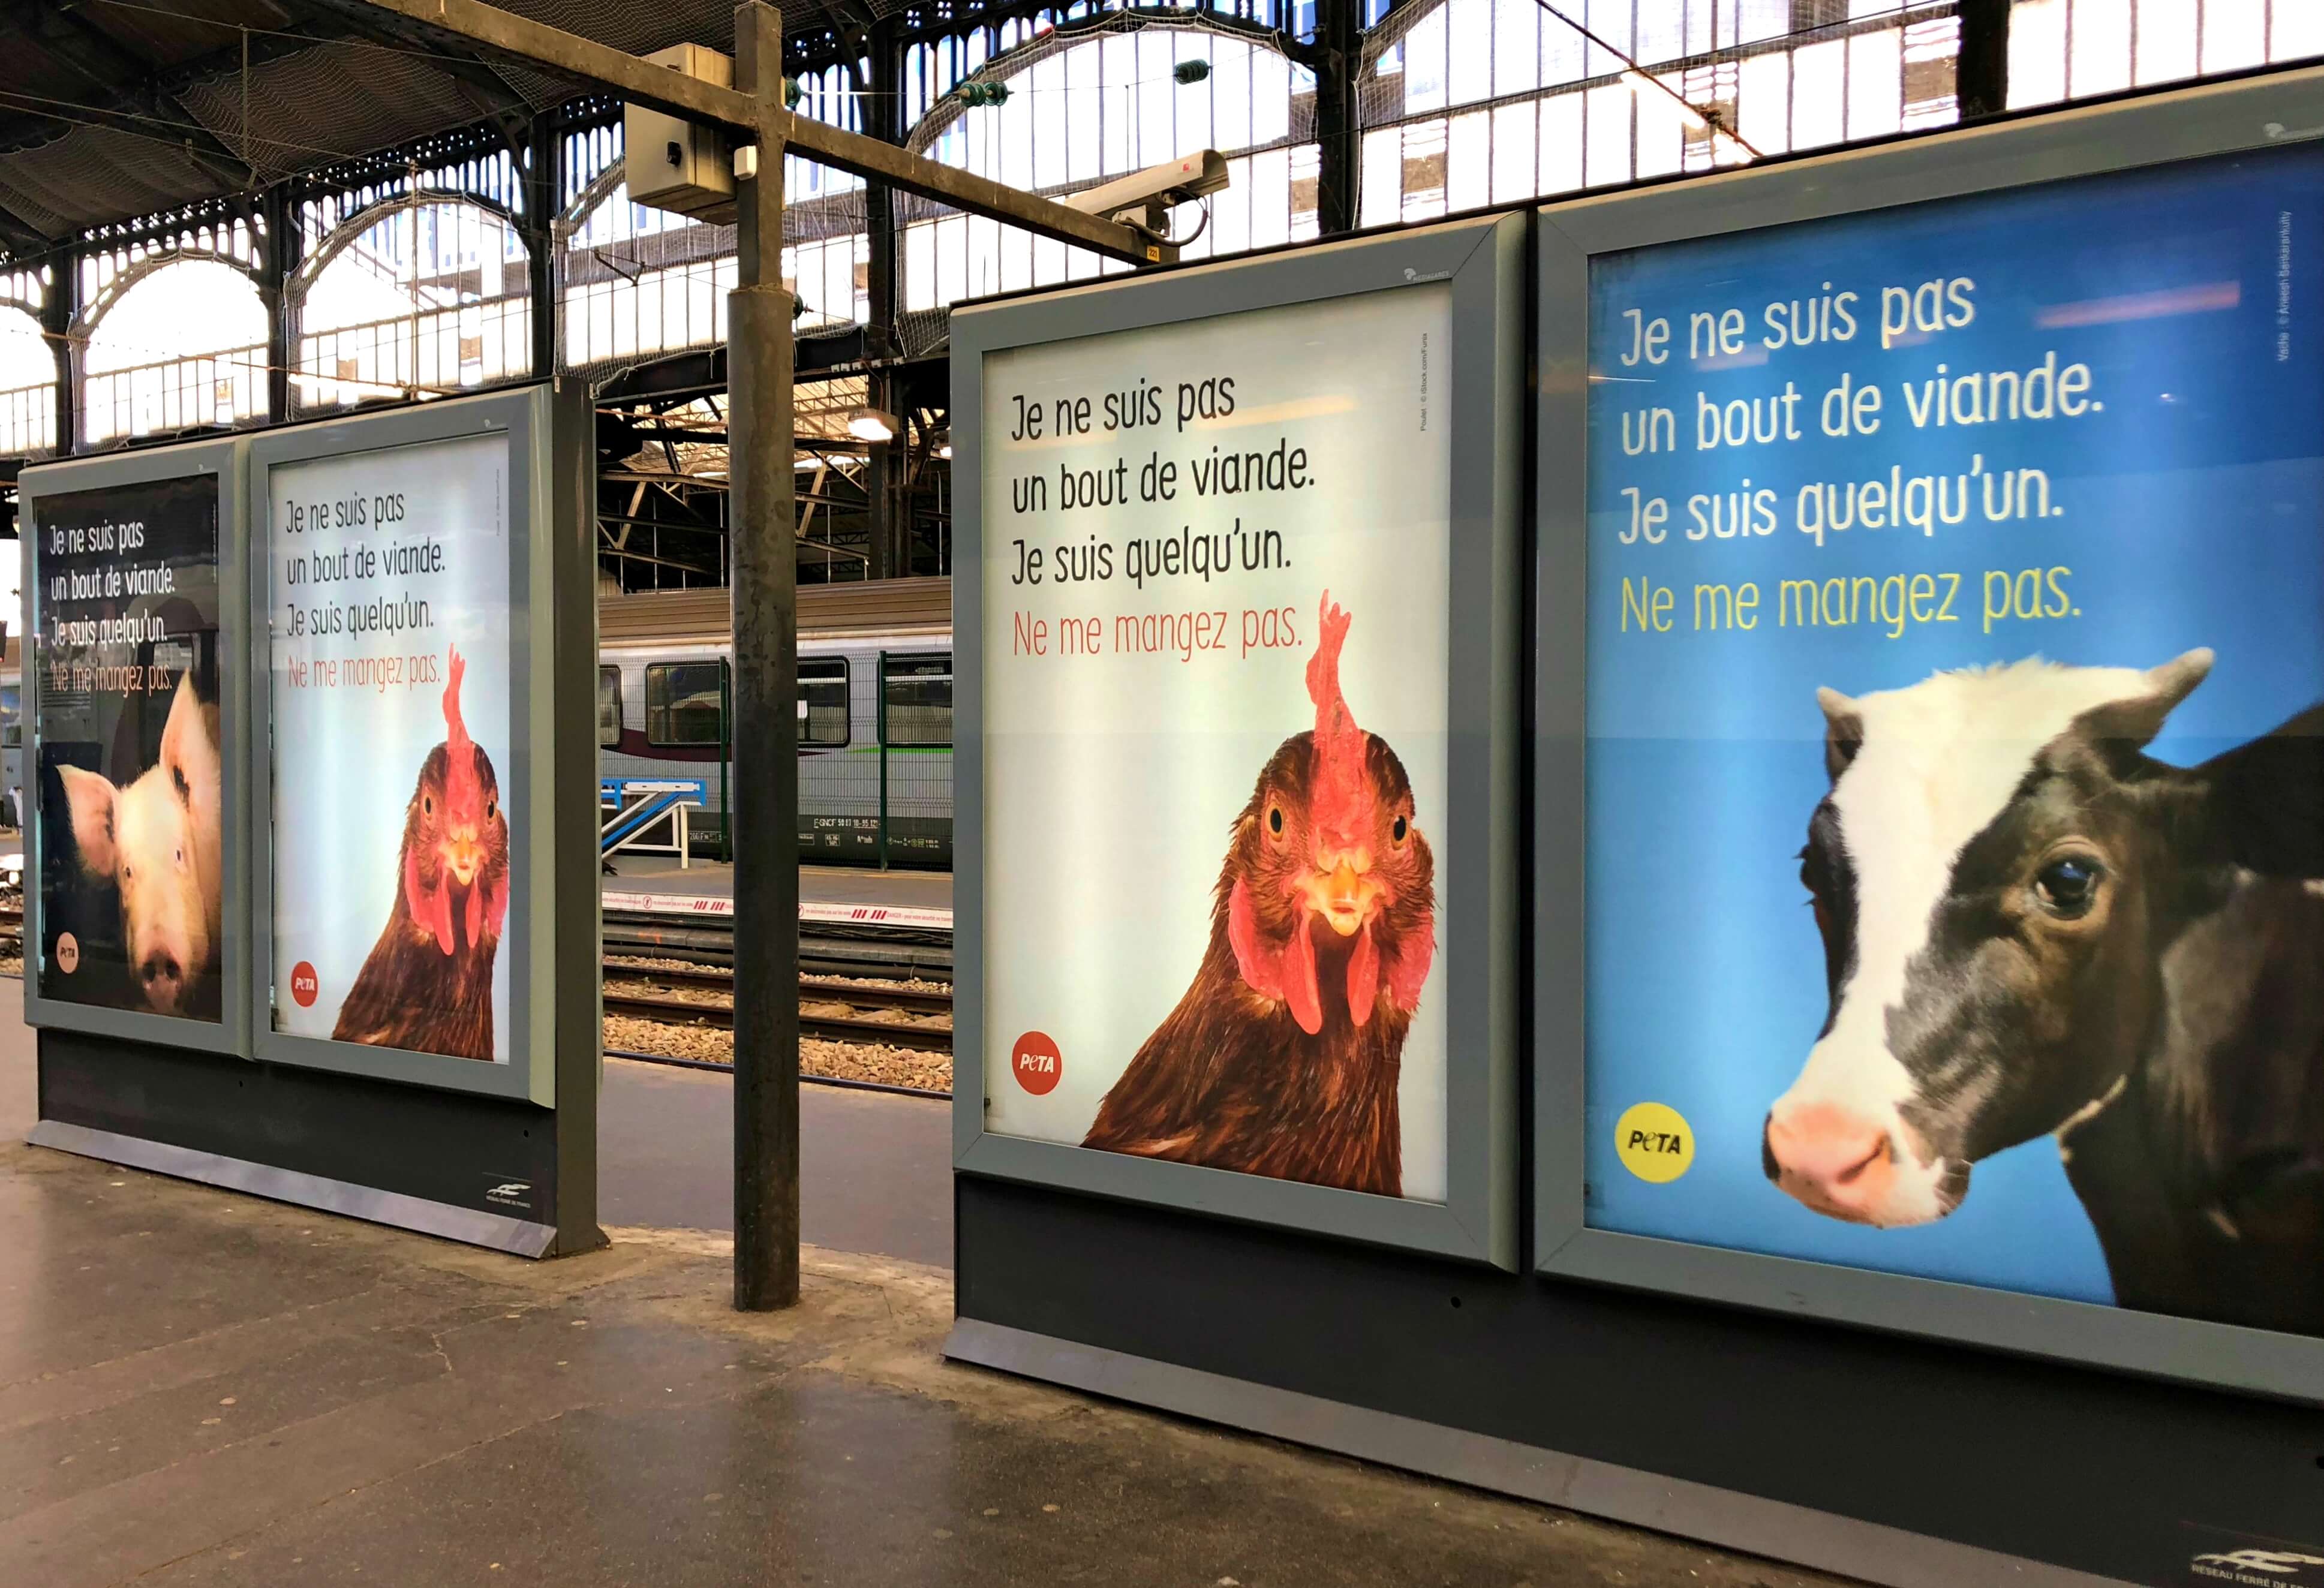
[(1328, 870), (455, 836)]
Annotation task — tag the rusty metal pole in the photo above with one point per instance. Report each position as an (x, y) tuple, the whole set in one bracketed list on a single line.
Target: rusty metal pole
[(762, 537)]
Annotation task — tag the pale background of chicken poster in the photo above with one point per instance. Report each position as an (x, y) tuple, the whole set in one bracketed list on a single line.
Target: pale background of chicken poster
[(1111, 782), (346, 758)]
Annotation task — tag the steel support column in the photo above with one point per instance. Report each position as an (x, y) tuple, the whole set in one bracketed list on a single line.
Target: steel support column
[(889, 540), (279, 206), (1334, 58), (59, 309), (763, 545), (544, 185), (1981, 79)]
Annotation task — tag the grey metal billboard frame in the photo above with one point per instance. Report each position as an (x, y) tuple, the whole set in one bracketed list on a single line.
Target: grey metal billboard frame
[(1482, 261), (2260, 114), (523, 416), (223, 460)]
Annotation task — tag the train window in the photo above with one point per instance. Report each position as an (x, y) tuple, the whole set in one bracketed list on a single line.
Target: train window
[(682, 706), (918, 704), (609, 708), (823, 692)]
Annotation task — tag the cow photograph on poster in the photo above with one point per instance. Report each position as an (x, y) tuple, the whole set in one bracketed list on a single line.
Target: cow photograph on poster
[(1955, 788), (394, 852), (1216, 560), (130, 798)]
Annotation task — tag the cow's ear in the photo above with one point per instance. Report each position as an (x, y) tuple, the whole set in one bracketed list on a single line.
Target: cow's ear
[(88, 802), (1843, 731), (2135, 721)]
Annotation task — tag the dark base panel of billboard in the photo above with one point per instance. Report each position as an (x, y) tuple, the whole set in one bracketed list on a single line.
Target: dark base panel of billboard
[(2084, 1470), (453, 1150)]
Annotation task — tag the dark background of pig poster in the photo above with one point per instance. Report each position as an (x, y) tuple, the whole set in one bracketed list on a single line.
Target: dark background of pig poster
[(126, 608)]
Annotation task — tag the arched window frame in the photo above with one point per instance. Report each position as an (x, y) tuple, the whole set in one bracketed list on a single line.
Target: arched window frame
[(28, 411), (944, 256), (404, 354), (200, 389)]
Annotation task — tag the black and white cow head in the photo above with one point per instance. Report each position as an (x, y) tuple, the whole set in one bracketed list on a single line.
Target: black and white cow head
[(1986, 872)]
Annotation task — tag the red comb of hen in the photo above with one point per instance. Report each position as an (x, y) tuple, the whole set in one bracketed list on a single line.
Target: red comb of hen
[(1338, 796), (462, 791)]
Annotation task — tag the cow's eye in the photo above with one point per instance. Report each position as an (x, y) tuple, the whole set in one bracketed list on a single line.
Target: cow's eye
[(2067, 886)]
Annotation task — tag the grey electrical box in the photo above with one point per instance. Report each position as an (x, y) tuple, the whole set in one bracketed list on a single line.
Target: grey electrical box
[(674, 164)]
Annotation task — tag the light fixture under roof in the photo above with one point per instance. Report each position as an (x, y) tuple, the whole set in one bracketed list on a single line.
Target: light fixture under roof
[(871, 424)]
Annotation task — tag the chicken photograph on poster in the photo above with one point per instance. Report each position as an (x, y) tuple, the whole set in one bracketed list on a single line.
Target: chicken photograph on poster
[(1217, 558), (393, 848)]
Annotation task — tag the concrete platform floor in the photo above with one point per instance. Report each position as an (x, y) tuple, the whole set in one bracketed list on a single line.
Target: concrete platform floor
[(198, 1389), (201, 1389), (875, 1173), (818, 884)]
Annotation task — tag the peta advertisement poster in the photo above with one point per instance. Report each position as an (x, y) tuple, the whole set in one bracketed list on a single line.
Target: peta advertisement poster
[(1216, 570), (390, 615), (127, 644), (1956, 797)]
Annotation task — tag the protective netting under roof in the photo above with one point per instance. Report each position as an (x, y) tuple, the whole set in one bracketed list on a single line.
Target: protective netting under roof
[(93, 175), (317, 106), (377, 98), (642, 27)]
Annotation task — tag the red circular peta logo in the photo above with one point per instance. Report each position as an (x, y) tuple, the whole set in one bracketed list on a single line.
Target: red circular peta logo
[(305, 983), (1038, 1063)]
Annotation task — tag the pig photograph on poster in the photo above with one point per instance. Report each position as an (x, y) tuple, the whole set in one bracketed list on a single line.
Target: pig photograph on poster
[(126, 654), (1216, 565), (394, 852)]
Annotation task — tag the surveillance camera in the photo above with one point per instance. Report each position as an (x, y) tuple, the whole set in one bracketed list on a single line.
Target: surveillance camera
[(1153, 191)]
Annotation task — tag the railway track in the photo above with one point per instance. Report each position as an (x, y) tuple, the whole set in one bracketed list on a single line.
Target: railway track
[(825, 950), (813, 989)]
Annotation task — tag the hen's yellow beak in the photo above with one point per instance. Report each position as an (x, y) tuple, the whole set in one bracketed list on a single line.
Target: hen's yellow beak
[(1345, 894), (463, 857)]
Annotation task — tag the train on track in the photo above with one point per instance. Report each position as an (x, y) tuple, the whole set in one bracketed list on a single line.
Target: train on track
[(13, 791), (875, 712)]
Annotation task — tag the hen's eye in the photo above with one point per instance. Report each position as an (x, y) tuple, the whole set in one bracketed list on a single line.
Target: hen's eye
[(1274, 821), (490, 806), (427, 805), (1399, 831), (2066, 886)]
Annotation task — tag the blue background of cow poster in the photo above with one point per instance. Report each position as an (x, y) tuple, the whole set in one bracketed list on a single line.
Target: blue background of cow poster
[(2187, 507)]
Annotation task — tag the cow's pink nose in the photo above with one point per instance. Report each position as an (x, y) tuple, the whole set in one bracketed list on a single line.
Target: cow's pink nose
[(1835, 1161)]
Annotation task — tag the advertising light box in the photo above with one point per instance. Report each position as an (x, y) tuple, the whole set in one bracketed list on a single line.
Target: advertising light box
[(1940, 595), (401, 850), (1243, 551), (133, 681)]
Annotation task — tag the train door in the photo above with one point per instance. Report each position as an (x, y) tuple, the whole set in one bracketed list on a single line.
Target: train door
[(916, 759)]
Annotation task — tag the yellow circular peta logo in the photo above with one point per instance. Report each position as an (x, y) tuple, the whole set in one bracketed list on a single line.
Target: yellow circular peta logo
[(1654, 1140)]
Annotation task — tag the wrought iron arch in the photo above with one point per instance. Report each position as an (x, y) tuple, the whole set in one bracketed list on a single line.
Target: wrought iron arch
[(92, 313), (1013, 62), (345, 235), (575, 215)]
